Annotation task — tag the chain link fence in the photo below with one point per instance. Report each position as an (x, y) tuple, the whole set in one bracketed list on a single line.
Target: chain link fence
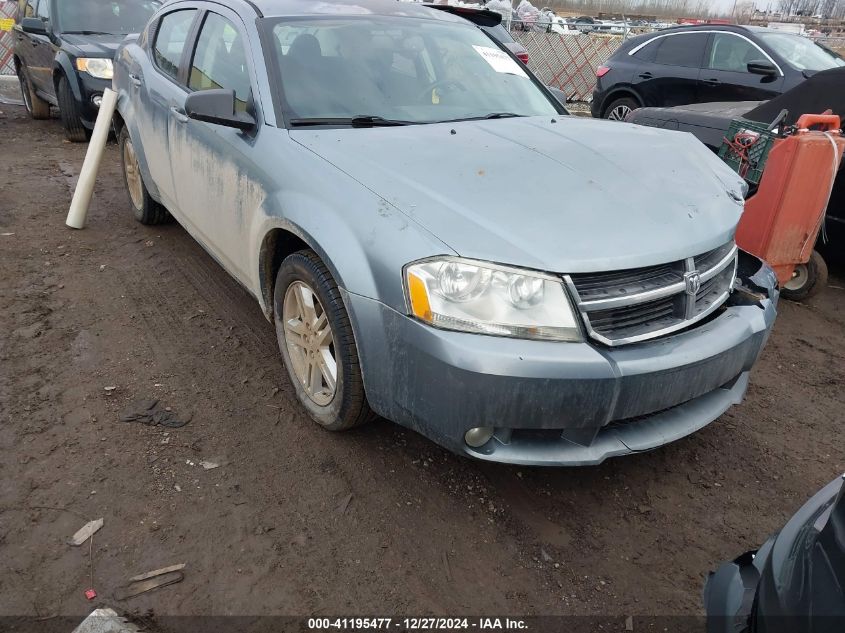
[(568, 62), (8, 13)]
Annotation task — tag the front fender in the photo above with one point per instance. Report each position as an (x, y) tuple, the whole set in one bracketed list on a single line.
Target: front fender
[(64, 65), (360, 237)]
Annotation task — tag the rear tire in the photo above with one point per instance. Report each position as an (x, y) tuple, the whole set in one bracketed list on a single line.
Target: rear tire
[(310, 337), (75, 132), (807, 280), (35, 105), (146, 210), (619, 109)]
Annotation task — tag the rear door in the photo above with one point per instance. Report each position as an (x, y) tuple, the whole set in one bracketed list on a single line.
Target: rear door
[(162, 89), (42, 52), (725, 75), (671, 77)]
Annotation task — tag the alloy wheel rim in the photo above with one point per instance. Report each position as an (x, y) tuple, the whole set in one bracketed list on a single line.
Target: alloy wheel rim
[(619, 113), (133, 174), (310, 343), (799, 278)]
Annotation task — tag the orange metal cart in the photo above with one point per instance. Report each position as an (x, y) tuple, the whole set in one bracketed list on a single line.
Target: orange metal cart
[(782, 220)]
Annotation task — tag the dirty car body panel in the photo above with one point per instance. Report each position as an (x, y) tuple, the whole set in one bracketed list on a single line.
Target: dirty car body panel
[(376, 199), (795, 582)]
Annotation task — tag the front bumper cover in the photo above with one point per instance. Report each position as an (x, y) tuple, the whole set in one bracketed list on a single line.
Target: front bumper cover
[(559, 403)]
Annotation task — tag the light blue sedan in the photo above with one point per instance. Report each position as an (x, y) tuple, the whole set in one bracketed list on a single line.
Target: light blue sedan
[(435, 239)]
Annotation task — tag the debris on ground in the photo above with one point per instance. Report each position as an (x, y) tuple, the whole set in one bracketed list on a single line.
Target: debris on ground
[(151, 413), (105, 621), (211, 464), (345, 504), (149, 581), (85, 532), (90, 594)]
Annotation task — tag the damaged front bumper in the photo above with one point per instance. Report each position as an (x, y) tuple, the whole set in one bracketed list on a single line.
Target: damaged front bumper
[(562, 403)]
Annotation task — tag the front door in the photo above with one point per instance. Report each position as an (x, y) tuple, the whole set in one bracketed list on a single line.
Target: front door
[(725, 76), (212, 167)]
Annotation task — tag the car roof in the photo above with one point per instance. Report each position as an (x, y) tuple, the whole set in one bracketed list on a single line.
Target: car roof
[(284, 8), (716, 27)]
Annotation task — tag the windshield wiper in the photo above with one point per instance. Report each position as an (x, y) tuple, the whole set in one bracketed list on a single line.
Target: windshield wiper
[(89, 33), (355, 121), (492, 115)]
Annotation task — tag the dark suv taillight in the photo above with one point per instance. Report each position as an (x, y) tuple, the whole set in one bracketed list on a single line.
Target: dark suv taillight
[(601, 71), (523, 57)]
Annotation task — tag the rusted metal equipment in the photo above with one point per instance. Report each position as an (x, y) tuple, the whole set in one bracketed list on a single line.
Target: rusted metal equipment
[(783, 218)]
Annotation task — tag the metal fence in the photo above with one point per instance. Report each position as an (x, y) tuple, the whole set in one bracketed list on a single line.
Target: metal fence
[(8, 11), (568, 62)]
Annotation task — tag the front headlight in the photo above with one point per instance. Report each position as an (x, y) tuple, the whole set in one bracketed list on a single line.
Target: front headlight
[(471, 296), (98, 67)]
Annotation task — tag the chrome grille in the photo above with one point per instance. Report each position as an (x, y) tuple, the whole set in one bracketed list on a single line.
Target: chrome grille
[(629, 306)]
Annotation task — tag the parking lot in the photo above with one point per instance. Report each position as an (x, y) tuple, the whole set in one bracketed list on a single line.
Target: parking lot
[(295, 520)]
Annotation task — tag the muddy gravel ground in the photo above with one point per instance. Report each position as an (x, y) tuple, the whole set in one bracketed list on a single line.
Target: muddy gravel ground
[(299, 521)]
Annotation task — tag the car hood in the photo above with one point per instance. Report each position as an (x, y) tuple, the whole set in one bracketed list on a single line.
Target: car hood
[(93, 45), (563, 195)]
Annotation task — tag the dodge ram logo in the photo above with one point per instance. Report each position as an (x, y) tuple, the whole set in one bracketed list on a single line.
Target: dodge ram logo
[(693, 282)]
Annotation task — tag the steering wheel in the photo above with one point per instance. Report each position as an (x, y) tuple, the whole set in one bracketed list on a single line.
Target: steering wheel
[(440, 83)]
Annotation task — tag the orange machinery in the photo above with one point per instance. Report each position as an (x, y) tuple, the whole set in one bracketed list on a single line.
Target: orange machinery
[(782, 220)]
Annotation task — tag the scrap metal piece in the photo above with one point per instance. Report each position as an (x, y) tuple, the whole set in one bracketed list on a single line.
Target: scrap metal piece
[(137, 588), (87, 531), (157, 572)]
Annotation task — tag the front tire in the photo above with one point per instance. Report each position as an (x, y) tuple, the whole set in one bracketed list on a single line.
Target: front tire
[(146, 210), (75, 132), (317, 343), (619, 109), (35, 105), (807, 280)]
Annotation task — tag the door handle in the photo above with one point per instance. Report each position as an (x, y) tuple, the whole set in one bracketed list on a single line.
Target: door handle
[(135, 79), (646, 75), (179, 114), (711, 82)]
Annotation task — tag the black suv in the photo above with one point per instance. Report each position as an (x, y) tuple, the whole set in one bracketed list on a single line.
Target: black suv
[(63, 54), (699, 64)]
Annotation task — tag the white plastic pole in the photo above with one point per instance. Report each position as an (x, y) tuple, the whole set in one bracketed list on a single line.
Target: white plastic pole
[(85, 185)]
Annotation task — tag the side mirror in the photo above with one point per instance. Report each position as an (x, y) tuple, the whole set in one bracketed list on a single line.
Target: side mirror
[(34, 26), (218, 107), (762, 67)]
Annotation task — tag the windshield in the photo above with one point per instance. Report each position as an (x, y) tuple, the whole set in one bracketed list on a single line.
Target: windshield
[(119, 17), (404, 70), (802, 53)]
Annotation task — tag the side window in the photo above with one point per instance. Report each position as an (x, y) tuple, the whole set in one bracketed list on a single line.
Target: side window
[(220, 60), (682, 49), (171, 39), (646, 53), (43, 10), (731, 52), (29, 9)]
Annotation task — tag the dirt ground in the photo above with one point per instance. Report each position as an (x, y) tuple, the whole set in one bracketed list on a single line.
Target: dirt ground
[(298, 521)]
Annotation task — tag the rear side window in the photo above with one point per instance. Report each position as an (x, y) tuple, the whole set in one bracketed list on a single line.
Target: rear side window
[(171, 39), (220, 60), (683, 49)]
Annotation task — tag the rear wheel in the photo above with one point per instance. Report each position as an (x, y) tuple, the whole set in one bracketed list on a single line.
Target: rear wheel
[(35, 105), (807, 280), (317, 343), (75, 132), (619, 109), (146, 210)]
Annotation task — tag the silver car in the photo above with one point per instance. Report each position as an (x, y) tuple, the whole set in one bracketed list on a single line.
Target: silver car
[(352, 164)]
